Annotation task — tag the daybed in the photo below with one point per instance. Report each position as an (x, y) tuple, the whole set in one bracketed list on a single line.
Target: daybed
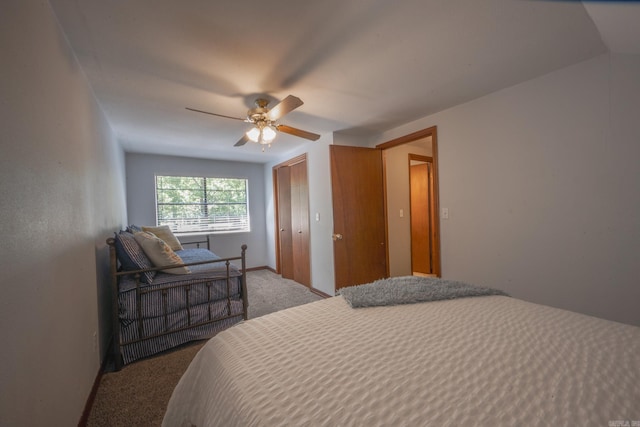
[(156, 308), (488, 360)]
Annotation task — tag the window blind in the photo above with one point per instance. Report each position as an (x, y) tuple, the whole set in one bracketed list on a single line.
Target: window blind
[(202, 204)]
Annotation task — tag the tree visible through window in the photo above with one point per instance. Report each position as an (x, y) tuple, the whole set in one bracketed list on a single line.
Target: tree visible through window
[(192, 204)]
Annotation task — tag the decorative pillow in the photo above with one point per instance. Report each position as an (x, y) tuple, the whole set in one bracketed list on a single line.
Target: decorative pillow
[(165, 233), (133, 228), (132, 256), (160, 253), (410, 290)]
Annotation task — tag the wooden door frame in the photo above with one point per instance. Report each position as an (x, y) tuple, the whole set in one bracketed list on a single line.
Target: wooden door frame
[(274, 172), (432, 214), (415, 136)]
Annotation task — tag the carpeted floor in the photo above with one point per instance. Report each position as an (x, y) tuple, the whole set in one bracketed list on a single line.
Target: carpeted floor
[(139, 393)]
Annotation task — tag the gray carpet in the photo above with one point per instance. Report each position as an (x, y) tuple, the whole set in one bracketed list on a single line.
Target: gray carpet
[(269, 292), (139, 393)]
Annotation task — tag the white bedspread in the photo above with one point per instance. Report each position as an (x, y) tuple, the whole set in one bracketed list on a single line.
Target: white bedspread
[(484, 361)]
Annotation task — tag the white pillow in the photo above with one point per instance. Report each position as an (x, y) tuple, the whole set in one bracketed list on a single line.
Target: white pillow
[(159, 252), (165, 233)]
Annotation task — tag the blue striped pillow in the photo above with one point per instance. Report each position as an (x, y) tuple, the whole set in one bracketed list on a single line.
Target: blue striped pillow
[(132, 257), (133, 228)]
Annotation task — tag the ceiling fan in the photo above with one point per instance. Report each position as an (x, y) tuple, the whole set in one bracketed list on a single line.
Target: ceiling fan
[(264, 121)]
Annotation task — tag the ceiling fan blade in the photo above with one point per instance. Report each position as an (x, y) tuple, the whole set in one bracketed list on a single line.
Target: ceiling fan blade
[(214, 114), (242, 141), (285, 106), (298, 132)]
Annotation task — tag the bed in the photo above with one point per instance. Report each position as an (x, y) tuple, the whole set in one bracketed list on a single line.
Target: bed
[(487, 360), (156, 310)]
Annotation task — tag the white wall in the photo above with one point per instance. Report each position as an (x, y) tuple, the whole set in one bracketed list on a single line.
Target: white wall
[(142, 169), (62, 194), (318, 167), (541, 181)]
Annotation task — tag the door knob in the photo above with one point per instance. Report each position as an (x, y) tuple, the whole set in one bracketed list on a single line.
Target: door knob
[(337, 236)]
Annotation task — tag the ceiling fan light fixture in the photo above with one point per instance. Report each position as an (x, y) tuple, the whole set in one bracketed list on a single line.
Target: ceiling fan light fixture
[(262, 133), (268, 133), (254, 134)]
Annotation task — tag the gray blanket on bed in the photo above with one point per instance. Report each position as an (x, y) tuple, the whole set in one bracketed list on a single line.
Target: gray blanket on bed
[(411, 289)]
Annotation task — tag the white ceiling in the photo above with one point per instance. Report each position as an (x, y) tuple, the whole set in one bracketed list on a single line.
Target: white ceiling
[(360, 66)]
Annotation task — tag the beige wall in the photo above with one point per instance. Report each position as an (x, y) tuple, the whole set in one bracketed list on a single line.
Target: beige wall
[(62, 194)]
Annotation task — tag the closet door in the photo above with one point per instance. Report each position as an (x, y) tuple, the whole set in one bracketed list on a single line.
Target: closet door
[(300, 223), (283, 175), (291, 190)]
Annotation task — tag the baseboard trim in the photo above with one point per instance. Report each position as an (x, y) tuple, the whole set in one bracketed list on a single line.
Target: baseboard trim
[(264, 267), (92, 395), (319, 293)]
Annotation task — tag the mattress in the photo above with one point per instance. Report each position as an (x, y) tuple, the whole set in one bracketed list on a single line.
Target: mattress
[(483, 361), (199, 272)]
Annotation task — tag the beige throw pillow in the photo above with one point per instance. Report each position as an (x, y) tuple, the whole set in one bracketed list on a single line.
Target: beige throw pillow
[(160, 253), (165, 233)]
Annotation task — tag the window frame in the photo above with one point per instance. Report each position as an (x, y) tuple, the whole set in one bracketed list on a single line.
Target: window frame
[(205, 227)]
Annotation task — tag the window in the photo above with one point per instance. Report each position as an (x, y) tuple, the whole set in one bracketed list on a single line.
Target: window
[(193, 204)]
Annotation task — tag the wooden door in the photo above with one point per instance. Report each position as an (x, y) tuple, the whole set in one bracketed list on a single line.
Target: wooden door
[(283, 176), (420, 195), (300, 223), (359, 221)]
